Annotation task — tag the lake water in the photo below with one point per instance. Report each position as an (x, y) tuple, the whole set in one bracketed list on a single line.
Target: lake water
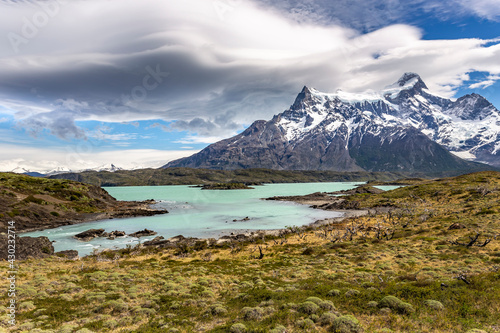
[(199, 213)]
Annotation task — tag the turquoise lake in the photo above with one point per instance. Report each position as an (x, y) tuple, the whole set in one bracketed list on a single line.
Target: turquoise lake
[(199, 213)]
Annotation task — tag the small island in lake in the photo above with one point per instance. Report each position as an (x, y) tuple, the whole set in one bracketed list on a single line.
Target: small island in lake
[(226, 186)]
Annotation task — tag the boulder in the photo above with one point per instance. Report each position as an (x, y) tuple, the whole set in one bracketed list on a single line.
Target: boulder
[(116, 233), (70, 254), (26, 247), (177, 238), (457, 226), (90, 234), (143, 233)]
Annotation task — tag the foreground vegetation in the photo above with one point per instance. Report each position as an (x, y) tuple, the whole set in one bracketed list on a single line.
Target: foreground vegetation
[(426, 259), (187, 176)]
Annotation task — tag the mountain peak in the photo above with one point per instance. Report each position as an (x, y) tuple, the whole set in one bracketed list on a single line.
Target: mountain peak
[(305, 94), (408, 85), (305, 90), (407, 77)]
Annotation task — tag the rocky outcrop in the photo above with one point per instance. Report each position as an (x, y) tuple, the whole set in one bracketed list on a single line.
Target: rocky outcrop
[(363, 189), (38, 203), (143, 233), (70, 254), (114, 234), (27, 247), (88, 235)]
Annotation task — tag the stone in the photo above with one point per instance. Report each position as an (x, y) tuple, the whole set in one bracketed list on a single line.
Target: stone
[(26, 247), (89, 234), (143, 233)]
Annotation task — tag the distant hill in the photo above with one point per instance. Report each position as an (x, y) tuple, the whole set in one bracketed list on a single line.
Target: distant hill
[(189, 176), (40, 203)]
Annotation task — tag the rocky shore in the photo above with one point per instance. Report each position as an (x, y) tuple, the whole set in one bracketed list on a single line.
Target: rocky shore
[(122, 209), (33, 204), (331, 201)]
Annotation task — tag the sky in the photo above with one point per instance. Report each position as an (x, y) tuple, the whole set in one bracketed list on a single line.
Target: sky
[(138, 83)]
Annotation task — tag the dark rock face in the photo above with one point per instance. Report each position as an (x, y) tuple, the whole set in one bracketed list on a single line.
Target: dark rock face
[(116, 233), (402, 128), (27, 247), (70, 254), (90, 234), (143, 233), (457, 226)]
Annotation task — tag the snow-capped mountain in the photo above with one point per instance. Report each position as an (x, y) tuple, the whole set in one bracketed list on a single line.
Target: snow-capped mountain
[(106, 167), (404, 127), (61, 170)]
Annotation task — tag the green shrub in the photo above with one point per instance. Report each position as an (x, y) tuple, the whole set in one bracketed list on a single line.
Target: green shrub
[(327, 318), (327, 305), (305, 323), (252, 313), (84, 330), (333, 292), (27, 326), (27, 306), (278, 329), (308, 307), (435, 305), (405, 308), (32, 199), (218, 310), (346, 324), (111, 323), (390, 302), (238, 328), (315, 300), (116, 306), (351, 293)]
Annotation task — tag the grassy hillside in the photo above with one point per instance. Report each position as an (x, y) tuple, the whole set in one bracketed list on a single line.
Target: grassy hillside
[(187, 176), (35, 203), (405, 267)]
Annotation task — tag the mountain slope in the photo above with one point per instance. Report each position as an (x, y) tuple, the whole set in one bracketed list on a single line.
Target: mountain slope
[(398, 129)]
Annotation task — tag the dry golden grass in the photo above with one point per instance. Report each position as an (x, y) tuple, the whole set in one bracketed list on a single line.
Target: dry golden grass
[(151, 290)]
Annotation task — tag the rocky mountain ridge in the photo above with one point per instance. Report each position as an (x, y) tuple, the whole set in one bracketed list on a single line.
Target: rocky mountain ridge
[(404, 127)]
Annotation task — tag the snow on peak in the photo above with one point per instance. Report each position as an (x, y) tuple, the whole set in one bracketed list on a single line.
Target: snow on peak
[(407, 82), (466, 126), (407, 77), (105, 167)]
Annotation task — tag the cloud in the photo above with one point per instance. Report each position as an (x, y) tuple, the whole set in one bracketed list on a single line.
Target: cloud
[(370, 15), (490, 81), (194, 139), (60, 124), (210, 71), (488, 9), (41, 160), (362, 15)]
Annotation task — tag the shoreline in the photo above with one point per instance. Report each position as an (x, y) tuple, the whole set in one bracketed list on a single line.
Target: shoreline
[(314, 201), (137, 209)]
